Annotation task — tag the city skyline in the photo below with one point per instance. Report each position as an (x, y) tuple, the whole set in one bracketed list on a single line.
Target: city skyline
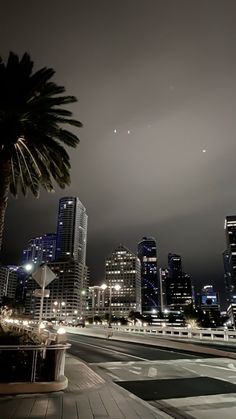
[(72, 217), (157, 93), (74, 213)]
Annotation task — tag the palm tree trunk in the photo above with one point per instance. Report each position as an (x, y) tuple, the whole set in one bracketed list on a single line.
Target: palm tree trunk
[(5, 172)]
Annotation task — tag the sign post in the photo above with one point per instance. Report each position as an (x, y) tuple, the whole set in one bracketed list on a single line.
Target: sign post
[(43, 276)]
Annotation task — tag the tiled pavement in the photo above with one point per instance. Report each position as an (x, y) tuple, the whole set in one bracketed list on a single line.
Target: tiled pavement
[(87, 397)]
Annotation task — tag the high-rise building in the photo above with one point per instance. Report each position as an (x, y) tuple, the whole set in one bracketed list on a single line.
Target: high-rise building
[(178, 284), (71, 230), (208, 298), (174, 265), (162, 288), (147, 253), (123, 268), (230, 257), (8, 281), (40, 250), (69, 290), (230, 296), (68, 293), (98, 301)]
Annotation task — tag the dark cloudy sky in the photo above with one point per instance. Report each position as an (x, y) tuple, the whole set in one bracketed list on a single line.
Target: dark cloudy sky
[(166, 71)]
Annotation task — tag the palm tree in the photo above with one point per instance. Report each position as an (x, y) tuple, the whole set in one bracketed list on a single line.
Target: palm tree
[(31, 131)]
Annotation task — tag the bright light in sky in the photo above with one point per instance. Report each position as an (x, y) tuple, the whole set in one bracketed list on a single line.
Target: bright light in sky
[(115, 131), (204, 150), (128, 131)]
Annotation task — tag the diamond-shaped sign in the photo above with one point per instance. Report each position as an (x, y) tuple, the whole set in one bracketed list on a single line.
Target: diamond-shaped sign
[(43, 276)]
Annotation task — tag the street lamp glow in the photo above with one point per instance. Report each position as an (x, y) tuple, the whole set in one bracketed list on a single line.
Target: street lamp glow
[(117, 287), (55, 303), (61, 331), (28, 267), (83, 292), (63, 303), (103, 286)]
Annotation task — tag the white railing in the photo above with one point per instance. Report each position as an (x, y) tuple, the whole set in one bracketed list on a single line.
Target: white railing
[(181, 332)]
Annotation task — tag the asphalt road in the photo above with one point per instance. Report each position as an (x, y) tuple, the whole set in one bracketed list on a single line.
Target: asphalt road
[(96, 350), (163, 376)]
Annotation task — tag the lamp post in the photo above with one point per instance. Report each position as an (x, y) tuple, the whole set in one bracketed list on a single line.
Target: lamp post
[(116, 287), (28, 268)]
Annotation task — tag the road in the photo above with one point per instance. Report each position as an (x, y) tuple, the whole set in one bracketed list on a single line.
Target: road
[(181, 384), (96, 350)]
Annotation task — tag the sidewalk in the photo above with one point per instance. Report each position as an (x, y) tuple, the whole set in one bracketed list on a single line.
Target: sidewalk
[(88, 396)]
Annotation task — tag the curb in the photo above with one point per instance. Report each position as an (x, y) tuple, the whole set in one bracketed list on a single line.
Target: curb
[(40, 387)]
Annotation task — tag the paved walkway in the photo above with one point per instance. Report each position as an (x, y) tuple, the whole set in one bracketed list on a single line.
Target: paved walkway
[(88, 397)]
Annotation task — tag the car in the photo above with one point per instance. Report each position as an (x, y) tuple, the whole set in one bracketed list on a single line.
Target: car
[(81, 323)]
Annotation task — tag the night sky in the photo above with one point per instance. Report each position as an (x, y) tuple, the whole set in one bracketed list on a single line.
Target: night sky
[(163, 74)]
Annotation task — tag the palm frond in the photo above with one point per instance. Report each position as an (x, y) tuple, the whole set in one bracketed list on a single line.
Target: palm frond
[(32, 120)]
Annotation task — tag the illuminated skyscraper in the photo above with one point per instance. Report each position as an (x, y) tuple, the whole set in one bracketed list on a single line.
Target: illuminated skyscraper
[(123, 268), (147, 253), (229, 257), (178, 284), (174, 265), (69, 290), (40, 249), (8, 281), (71, 230)]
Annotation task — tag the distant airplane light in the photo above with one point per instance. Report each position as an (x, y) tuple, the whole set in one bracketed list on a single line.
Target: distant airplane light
[(128, 131), (204, 150), (115, 131)]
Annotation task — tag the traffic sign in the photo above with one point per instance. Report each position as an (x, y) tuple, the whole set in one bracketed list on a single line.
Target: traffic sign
[(39, 292), (43, 276)]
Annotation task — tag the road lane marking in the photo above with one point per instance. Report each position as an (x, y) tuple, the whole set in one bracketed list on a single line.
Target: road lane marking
[(109, 350), (216, 366), (135, 372), (152, 372), (231, 366), (114, 376), (190, 370)]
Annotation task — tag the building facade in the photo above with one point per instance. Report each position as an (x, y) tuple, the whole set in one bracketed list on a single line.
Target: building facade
[(123, 268), (98, 301), (162, 288), (178, 284), (147, 254), (229, 258), (67, 293), (40, 250), (8, 281), (69, 290), (71, 230), (208, 301), (231, 313)]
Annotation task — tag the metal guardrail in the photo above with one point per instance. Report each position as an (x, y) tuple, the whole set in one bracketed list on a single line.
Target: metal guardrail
[(32, 363), (189, 333)]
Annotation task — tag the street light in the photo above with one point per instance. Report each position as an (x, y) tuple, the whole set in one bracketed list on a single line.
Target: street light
[(117, 287), (58, 305)]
